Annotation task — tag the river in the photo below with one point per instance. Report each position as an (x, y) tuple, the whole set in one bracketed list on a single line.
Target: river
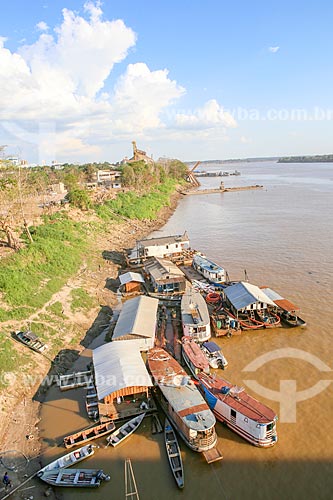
[(282, 236)]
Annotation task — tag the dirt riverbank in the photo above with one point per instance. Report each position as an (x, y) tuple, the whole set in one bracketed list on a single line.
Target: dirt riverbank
[(20, 403)]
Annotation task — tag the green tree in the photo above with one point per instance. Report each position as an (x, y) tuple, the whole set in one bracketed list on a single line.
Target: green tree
[(79, 198)]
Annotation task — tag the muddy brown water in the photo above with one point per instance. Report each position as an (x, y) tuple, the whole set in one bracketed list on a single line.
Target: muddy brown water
[(282, 236)]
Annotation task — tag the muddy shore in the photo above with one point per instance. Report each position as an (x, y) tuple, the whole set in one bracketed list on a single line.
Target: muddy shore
[(21, 449)]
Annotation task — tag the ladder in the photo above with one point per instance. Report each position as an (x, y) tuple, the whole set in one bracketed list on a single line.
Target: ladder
[(131, 490)]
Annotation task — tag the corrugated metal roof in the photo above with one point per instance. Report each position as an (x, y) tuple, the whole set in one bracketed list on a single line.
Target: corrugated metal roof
[(118, 365), (163, 269), (138, 317), (128, 277), (285, 304), (243, 294), (207, 264)]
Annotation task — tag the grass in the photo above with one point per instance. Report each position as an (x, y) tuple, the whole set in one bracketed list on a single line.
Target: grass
[(10, 360), (81, 300)]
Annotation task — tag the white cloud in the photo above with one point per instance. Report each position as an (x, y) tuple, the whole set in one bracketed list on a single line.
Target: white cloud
[(42, 26), (274, 49), (210, 115), (56, 93), (245, 140)]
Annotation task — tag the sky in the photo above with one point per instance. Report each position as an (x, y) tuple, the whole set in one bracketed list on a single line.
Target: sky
[(188, 79)]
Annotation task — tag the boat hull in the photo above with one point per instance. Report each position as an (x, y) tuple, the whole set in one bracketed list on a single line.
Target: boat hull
[(174, 455), (98, 431)]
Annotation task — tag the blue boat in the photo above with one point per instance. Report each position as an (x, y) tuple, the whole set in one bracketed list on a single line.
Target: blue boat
[(214, 273)]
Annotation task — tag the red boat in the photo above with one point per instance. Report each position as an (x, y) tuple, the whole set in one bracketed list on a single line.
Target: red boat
[(194, 357)]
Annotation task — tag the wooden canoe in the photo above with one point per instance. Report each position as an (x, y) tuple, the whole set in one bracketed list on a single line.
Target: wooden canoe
[(30, 340), (174, 455), (86, 435), (71, 458), (125, 430), (88, 478)]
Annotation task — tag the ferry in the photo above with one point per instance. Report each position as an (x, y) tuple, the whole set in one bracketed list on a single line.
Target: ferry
[(244, 414), (214, 273), (194, 357), (182, 402), (195, 316)]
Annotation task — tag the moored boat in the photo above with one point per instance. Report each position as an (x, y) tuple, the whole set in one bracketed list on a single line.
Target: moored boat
[(181, 401), (88, 478), (174, 455), (214, 273), (89, 434), (125, 430), (195, 316), (223, 324), (71, 458), (214, 355), (194, 357), (269, 318), (287, 310), (244, 414), (30, 340)]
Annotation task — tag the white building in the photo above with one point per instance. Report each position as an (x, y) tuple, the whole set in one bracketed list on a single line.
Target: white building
[(165, 246)]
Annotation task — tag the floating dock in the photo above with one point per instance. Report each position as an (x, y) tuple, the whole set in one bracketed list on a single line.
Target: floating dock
[(221, 190)]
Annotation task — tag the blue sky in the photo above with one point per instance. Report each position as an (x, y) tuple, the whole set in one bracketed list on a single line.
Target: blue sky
[(186, 79)]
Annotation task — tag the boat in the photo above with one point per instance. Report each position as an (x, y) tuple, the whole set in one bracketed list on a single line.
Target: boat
[(125, 430), (214, 273), (214, 355), (195, 316), (269, 318), (174, 455), (287, 310), (181, 401), (71, 458), (223, 324), (89, 434), (30, 340), (242, 413), (72, 478), (194, 357)]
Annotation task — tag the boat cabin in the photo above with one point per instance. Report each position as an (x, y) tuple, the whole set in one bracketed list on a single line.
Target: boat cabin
[(195, 316), (211, 271), (165, 276), (137, 322)]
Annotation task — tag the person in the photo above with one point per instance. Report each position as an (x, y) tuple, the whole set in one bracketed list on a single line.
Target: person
[(6, 481)]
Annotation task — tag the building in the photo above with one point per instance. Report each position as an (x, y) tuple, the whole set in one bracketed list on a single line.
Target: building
[(131, 282), (243, 296), (164, 246), (137, 322), (121, 379), (139, 155), (108, 177), (165, 276)]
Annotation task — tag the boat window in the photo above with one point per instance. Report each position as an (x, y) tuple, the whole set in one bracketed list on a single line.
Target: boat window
[(270, 426), (246, 419), (233, 413)]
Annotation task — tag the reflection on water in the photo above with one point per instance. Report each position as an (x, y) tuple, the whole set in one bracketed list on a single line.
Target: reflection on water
[(282, 236)]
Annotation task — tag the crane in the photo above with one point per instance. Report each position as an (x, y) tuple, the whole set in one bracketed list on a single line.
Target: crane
[(190, 177)]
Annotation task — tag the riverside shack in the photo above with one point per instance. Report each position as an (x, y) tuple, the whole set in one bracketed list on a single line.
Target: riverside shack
[(137, 322), (165, 277), (121, 379), (165, 246), (244, 296)]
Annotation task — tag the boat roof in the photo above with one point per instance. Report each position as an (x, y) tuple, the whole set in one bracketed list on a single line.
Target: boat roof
[(118, 365), (243, 294), (137, 317), (194, 353), (238, 399), (211, 346), (284, 304), (129, 277), (180, 391), (164, 240), (194, 308), (207, 264), (28, 334)]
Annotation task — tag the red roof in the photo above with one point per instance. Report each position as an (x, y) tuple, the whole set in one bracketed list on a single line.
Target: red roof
[(286, 305), (238, 399)]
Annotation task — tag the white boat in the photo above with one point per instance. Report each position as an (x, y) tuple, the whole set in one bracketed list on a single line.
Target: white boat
[(214, 273), (214, 355), (174, 455), (125, 430), (88, 478), (195, 316), (71, 458)]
